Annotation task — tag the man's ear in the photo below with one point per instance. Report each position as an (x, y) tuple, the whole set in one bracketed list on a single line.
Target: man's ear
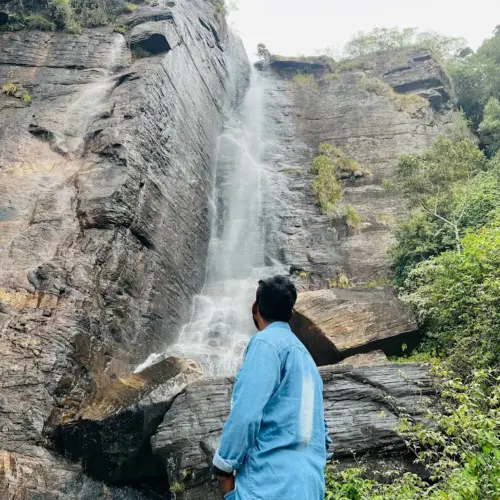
[(255, 309)]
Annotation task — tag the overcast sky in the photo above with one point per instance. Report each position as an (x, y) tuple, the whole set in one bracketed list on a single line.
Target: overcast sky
[(293, 27)]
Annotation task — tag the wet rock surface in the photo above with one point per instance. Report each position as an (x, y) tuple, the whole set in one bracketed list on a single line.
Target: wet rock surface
[(362, 406), (105, 186), (338, 323)]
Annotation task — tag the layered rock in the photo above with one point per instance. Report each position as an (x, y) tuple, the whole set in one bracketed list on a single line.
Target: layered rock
[(338, 323), (362, 406), (105, 187), (330, 104)]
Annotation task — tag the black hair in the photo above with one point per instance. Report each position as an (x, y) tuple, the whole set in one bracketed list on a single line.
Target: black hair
[(276, 298)]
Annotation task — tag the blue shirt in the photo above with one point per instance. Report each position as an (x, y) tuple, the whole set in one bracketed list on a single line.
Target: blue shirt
[(274, 437)]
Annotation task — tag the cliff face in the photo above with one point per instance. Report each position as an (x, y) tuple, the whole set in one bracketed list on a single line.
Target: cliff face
[(105, 182), (372, 128)]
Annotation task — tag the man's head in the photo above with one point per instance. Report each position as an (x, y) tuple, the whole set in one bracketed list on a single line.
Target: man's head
[(276, 298)]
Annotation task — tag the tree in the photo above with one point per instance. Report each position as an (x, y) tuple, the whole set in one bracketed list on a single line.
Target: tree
[(384, 39), (429, 180), (476, 79), (263, 53), (490, 126)]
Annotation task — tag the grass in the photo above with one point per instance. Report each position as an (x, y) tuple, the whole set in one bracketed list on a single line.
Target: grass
[(9, 89), (327, 188), (352, 218), (411, 103), (340, 281), (303, 80), (120, 29), (28, 100), (129, 7), (382, 281)]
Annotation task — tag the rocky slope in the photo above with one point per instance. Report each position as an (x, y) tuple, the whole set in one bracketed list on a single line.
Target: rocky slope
[(105, 183)]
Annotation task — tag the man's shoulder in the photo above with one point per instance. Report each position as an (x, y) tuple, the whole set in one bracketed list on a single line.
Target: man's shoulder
[(280, 336)]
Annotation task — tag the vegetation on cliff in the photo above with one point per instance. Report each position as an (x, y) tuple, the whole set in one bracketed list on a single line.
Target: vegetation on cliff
[(446, 260), (461, 449)]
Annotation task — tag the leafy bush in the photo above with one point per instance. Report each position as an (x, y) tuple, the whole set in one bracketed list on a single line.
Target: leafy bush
[(129, 7), (327, 188), (352, 218), (9, 89), (27, 99), (476, 79), (457, 300), (460, 448)]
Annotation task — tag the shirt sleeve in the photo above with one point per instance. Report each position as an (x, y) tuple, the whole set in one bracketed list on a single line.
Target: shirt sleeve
[(257, 381)]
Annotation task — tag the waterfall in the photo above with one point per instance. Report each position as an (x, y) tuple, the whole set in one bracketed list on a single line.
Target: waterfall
[(221, 322)]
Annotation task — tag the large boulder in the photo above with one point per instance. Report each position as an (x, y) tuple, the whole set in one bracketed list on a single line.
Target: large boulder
[(362, 409), (338, 323), (110, 436)]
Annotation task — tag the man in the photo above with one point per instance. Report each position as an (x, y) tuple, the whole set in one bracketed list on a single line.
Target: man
[(274, 444)]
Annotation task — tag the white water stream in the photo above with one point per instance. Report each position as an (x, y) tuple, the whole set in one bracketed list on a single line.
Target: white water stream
[(221, 322)]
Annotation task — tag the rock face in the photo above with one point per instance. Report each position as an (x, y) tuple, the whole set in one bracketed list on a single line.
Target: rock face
[(105, 187), (362, 405), (334, 107), (338, 323), (110, 436)]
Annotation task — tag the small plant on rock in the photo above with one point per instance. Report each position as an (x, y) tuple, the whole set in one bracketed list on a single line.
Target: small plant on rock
[(27, 99), (9, 89), (352, 218), (129, 7), (303, 80), (39, 22)]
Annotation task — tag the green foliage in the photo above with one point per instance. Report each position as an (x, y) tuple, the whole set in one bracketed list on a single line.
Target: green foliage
[(340, 281), (27, 99), (456, 297), (303, 80), (129, 7), (394, 39), (460, 446), (411, 103), (177, 487), (476, 79), (490, 126), (120, 29), (352, 218), (429, 180), (9, 89), (327, 188), (39, 22), (263, 53)]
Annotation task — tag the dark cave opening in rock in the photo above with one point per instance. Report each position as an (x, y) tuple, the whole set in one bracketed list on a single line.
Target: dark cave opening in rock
[(155, 44), (4, 18)]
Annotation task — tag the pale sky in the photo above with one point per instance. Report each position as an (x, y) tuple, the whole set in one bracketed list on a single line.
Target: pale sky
[(293, 27)]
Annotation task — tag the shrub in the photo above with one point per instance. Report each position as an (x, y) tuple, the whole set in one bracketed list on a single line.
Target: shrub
[(27, 99), (457, 300), (352, 218), (120, 29), (39, 22), (460, 448), (138, 52), (9, 89), (327, 189), (129, 7)]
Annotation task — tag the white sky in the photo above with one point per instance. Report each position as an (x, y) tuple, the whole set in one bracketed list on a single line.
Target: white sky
[(293, 27)]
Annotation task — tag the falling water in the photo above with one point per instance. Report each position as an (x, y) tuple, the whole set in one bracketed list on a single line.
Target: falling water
[(221, 322)]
